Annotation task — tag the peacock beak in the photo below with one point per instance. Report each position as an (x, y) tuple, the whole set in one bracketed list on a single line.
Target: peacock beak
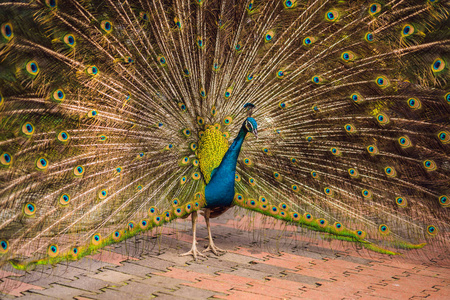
[(255, 132)]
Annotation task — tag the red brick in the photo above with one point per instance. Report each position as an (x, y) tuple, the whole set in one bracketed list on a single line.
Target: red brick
[(184, 275), (316, 294), (213, 285), (225, 277), (282, 263), (246, 252), (111, 257), (239, 295), (15, 288), (4, 274), (265, 289), (283, 284)]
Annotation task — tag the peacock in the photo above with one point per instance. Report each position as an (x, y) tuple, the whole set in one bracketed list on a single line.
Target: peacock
[(119, 116)]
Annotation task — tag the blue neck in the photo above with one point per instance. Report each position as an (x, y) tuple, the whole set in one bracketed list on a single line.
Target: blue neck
[(230, 159), (220, 189)]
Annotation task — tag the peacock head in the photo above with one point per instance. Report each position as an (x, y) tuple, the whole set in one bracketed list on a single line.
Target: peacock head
[(250, 125)]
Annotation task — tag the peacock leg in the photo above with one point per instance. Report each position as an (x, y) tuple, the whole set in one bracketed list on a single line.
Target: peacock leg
[(194, 252), (211, 247)]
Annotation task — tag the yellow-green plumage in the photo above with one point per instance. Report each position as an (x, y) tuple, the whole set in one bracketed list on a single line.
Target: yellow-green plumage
[(212, 147)]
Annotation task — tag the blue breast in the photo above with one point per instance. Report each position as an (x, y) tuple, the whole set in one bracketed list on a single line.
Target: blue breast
[(220, 189)]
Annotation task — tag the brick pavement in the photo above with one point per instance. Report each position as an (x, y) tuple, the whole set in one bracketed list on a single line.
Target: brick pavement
[(266, 260)]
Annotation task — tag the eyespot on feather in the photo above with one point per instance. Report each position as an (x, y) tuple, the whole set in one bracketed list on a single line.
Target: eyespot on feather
[(360, 234), (281, 74), (283, 206), (353, 173), (187, 132), (366, 194), (444, 137), (289, 4), (144, 16), (332, 15), (29, 209), (307, 217), (78, 171), (317, 79), (374, 9), (179, 211), (28, 129), (382, 119), (7, 31), (42, 163), (429, 165), (356, 97), (102, 194), (96, 239), (309, 40), (117, 235), (438, 65), (69, 40), (152, 211), (51, 3), (106, 26), (200, 121), (6, 159), (444, 201), (161, 61), (322, 223), (239, 199), (400, 201), (338, 226), (64, 199), (118, 171), (32, 68), (92, 71), (348, 56), (157, 220), (53, 250), (4, 246), (372, 149), (432, 230), (177, 23), (390, 171), (383, 229), (407, 30), (349, 128), (369, 37), (328, 191), (131, 226), (414, 103), (202, 93), (404, 142), (335, 151), (269, 36), (382, 82), (188, 207)]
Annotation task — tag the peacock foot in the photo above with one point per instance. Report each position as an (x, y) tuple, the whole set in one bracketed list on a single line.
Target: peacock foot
[(194, 252), (214, 249)]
